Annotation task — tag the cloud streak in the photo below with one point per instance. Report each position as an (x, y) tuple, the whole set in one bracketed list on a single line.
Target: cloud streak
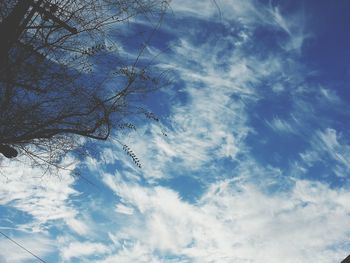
[(235, 221)]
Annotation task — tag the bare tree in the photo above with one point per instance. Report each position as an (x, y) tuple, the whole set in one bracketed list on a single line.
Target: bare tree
[(52, 88)]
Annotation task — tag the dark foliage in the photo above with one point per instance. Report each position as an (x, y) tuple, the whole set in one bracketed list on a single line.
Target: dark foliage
[(51, 89)]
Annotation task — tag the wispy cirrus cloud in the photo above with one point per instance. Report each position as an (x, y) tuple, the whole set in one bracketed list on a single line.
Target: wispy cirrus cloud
[(42, 197), (219, 81), (233, 221), (38, 244), (75, 250), (328, 149), (279, 125)]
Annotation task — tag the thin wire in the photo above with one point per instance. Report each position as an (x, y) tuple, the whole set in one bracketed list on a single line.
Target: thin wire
[(218, 7), (13, 241)]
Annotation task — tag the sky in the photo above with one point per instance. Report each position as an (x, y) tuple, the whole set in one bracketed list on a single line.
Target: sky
[(249, 162)]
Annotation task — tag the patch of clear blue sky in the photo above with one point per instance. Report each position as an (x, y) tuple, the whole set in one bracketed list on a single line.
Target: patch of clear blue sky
[(329, 50)]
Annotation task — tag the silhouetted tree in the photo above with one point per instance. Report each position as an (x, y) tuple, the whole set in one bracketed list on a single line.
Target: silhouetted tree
[(60, 77)]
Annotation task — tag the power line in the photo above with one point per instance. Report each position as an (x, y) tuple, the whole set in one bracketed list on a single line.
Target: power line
[(13, 241)]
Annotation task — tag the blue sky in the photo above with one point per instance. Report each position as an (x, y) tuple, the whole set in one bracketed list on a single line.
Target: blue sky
[(255, 164)]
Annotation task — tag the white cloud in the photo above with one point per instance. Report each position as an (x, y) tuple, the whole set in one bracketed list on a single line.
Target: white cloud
[(235, 221), (82, 249), (330, 96), (211, 123), (41, 246), (242, 10), (293, 25), (200, 129), (279, 125), (220, 83), (326, 147), (250, 13), (134, 253), (122, 209), (45, 198)]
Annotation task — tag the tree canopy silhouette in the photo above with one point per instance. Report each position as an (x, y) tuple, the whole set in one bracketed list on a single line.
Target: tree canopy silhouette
[(61, 77)]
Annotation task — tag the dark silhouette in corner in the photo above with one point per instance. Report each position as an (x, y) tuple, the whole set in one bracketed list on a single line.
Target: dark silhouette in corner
[(8, 151), (347, 260)]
